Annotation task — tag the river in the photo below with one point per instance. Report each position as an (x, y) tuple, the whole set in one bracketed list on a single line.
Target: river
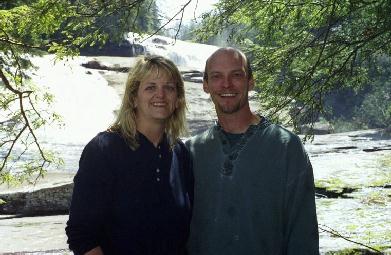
[(351, 172)]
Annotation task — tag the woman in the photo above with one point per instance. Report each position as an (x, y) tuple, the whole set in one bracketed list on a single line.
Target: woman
[(133, 190)]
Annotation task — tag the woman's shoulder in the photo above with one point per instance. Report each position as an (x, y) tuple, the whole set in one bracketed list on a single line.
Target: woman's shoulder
[(106, 141)]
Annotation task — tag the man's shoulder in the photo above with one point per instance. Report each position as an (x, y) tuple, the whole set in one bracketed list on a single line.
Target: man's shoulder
[(201, 138), (277, 130), (278, 134)]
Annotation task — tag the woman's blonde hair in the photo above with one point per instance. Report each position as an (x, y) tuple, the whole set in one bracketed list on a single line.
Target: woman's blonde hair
[(125, 122)]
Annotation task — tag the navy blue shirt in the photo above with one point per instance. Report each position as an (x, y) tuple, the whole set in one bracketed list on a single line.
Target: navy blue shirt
[(131, 201)]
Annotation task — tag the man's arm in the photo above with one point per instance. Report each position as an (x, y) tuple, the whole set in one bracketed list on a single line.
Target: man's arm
[(301, 233)]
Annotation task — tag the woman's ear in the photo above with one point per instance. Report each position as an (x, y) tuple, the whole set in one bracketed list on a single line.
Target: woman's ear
[(251, 84)]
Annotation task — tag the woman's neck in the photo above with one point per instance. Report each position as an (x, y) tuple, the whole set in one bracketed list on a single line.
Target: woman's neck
[(154, 133)]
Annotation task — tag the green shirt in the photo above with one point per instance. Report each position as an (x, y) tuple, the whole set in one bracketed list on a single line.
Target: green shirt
[(256, 197)]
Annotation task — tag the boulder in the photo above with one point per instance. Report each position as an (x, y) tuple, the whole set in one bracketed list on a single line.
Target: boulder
[(47, 201), (94, 64), (318, 128), (193, 76)]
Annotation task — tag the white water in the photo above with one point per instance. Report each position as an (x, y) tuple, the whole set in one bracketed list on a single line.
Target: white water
[(185, 54), (87, 103)]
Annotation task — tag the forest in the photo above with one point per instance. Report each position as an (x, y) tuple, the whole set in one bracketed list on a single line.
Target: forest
[(314, 61)]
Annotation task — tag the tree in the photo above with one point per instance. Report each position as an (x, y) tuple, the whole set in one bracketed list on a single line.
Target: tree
[(366, 107), (61, 27), (302, 49), (375, 110)]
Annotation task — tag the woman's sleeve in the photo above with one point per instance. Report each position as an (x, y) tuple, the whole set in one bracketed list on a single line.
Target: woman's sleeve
[(90, 199)]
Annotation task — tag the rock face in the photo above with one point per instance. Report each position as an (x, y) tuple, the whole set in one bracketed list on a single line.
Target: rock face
[(122, 49), (94, 64), (318, 128), (193, 76), (48, 201)]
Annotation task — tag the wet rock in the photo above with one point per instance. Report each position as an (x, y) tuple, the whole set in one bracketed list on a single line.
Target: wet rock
[(47, 201), (158, 40), (94, 64), (386, 148), (193, 76), (321, 192), (317, 128), (121, 49), (345, 148)]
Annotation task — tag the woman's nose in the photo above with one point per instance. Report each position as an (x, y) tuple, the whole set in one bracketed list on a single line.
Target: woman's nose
[(160, 92)]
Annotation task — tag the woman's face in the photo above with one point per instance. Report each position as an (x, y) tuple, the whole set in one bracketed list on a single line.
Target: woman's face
[(156, 98)]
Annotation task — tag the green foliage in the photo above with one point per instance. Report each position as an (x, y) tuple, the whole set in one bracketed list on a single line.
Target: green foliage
[(375, 109), (366, 107), (301, 50), (61, 27)]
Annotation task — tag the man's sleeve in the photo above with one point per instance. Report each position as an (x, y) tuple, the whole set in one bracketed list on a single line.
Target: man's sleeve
[(301, 231)]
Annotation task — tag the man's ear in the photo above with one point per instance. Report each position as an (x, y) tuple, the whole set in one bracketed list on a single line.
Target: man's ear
[(205, 86)]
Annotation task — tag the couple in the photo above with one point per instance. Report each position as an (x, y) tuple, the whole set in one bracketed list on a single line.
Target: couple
[(253, 183)]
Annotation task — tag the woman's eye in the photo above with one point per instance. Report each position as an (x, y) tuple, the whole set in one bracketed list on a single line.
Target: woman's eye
[(150, 87), (171, 88)]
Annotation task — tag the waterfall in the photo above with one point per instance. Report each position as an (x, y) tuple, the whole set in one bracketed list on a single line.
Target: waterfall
[(187, 55)]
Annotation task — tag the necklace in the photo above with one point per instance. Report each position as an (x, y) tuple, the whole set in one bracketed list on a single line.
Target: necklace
[(231, 153)]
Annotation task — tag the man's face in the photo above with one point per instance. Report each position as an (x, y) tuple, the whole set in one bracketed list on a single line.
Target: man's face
[(228, 83)]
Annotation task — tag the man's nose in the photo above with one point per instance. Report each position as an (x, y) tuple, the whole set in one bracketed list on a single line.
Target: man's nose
[(227, 82)]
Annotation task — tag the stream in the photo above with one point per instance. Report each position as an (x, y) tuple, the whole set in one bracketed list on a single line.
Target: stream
[(352, 170)]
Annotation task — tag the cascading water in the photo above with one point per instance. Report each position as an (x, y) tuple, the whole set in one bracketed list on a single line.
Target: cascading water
[(87, 103), (184, 54)]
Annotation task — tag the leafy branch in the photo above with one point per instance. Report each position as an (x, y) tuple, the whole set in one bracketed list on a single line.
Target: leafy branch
[(29, 28)]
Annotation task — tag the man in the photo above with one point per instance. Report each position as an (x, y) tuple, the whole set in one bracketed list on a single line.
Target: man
[(254, 190)]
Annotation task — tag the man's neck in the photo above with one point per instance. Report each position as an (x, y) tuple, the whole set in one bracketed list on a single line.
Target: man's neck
[(239, 121)]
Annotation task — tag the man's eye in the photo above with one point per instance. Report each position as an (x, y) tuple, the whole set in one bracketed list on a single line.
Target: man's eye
[(215, 76), (238, 74)]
